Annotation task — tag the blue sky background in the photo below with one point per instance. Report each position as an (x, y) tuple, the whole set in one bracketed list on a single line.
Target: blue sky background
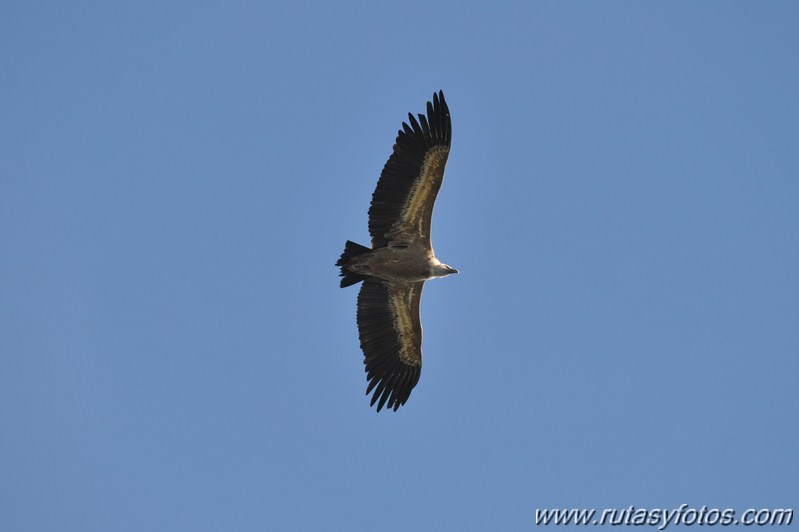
[(178, 179)]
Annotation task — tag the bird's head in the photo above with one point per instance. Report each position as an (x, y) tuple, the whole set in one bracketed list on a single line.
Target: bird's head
[(442, 270)]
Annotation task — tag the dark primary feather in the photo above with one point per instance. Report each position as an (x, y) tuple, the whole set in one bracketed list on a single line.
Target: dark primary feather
[(391, 378), (403, 168)]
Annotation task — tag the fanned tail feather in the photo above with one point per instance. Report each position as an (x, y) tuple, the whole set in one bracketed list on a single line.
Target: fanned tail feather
[(351, 250)]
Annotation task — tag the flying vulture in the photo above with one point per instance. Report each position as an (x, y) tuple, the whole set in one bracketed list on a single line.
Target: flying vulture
[(401, 258)]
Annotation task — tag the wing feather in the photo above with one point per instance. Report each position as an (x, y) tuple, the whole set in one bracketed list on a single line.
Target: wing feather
[(402, 203), (391, 339)]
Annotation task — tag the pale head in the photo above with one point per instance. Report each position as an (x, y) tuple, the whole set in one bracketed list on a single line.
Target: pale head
[(442, 270)]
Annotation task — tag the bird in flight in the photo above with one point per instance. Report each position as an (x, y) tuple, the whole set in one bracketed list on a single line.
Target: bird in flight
[(401, 258)]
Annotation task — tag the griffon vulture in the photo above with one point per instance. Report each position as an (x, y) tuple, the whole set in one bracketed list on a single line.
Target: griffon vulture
[(401, 258)]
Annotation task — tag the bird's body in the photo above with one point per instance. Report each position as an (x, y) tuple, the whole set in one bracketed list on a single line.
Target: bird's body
[(407, 264), (401, 258)]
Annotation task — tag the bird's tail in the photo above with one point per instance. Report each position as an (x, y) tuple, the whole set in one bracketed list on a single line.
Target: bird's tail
[(351, 250)]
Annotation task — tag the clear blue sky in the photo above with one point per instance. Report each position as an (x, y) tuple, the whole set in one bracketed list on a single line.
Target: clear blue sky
[(178, 180)]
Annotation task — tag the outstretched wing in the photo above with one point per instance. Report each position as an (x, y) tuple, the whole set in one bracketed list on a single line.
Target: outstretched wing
[(391, 339), (402, 203)]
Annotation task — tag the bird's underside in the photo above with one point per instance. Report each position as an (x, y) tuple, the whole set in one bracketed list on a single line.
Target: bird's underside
[(405, 264), (401, 258)]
